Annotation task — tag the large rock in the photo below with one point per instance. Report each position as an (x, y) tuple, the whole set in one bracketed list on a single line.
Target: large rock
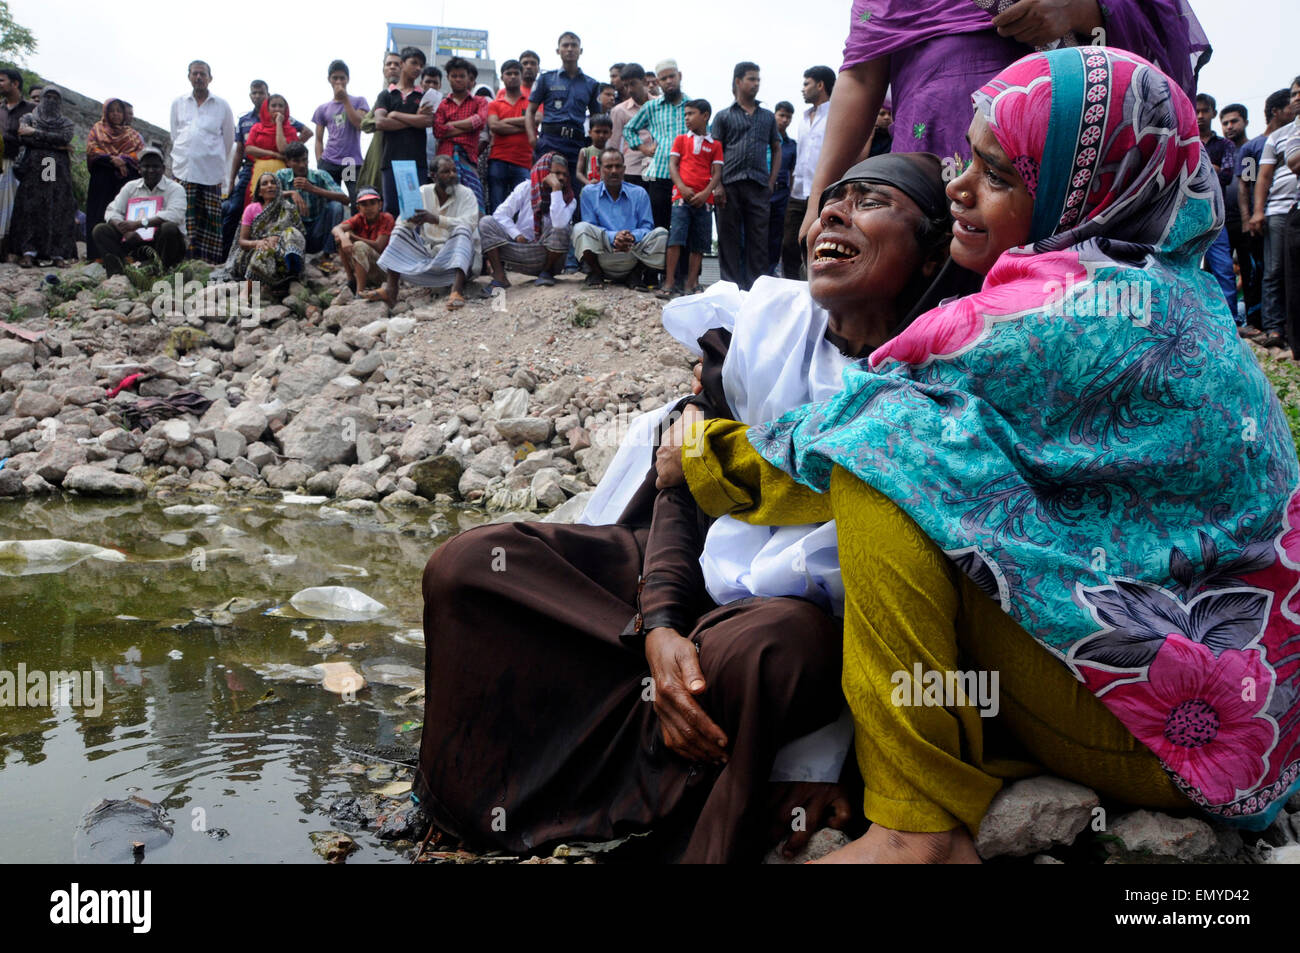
[(54, 461), (177, 432), (516, 430), (422, 440), (32, 403), (325, 432), (307, 377), (596, 459), (16, 352), (230, 444), (436, 475), (11, 483), (96, 481), (117, 439), (1148, 835), (1033, 815), (546, 488), (287, 476), (248, 420)]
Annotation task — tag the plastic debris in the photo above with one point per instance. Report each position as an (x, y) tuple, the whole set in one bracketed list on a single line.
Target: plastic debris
[(176, 654), (30, 557), (341, 678), (339, 603)]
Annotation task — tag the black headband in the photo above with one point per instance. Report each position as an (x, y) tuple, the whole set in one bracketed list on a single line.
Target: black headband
[(922, 182)]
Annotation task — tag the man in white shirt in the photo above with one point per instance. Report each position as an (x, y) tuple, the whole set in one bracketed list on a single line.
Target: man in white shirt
[(164, 232), (446, 250), (1275, 196), (818, 81), (203, 133), (509, 235)]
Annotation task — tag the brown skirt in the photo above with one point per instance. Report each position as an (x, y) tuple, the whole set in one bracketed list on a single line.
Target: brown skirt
[(538, 726)]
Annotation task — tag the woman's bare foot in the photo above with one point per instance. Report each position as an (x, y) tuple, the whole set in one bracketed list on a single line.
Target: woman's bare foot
[(881, 845), (378, 294)]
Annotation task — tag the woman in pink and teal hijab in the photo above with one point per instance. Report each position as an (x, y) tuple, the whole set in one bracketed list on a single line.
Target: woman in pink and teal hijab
[(1089, 442)]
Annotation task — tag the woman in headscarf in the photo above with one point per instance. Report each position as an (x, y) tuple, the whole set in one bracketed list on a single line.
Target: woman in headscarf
[(267, 140), (112, 156), (578, 675), (45, 211), (1077, 480), (271, 239), (931, 53)]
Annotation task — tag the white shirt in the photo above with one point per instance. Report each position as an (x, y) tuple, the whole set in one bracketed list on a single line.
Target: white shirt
[(812, 130), (172, 192), (461, 208), (202, 137), (515, 214), (1282, 193)]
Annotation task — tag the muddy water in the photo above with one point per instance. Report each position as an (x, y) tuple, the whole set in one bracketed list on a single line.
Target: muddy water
[(186, 717)]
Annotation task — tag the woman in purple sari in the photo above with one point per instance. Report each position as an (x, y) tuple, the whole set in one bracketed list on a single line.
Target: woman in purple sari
[(933, 53)]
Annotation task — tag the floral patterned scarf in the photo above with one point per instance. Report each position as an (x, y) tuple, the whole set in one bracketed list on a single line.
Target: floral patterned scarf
[(1088, 438)]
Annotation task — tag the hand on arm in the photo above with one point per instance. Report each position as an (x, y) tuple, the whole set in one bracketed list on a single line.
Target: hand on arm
[(675, 667), (1038, 22)]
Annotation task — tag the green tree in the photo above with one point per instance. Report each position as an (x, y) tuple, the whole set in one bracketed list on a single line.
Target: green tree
[(16, 41)]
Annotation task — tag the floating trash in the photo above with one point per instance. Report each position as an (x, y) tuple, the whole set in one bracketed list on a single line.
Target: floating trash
[(176, 655), (191, 509), (109, 830), (339, 603), (30, 557)]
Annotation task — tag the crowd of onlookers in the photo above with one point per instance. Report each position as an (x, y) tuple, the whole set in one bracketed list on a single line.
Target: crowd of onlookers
[(1258, 250), (555, 171)]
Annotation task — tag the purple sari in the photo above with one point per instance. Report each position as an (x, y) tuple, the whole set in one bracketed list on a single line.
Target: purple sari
[(943, 50)]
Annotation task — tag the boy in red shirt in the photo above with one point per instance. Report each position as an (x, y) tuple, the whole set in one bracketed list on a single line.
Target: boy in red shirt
[(600, 128), (695, 164), (362, 239)]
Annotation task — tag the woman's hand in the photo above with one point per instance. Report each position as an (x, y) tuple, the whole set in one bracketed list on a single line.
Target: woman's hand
[(815, 805), (675, 667), (697, 385), (668, 458), (1039, 22)]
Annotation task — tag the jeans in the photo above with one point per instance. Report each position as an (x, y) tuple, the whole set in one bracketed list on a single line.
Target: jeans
[(320, 230), (233, 208), (1273, 301), (345, 176), (503, 178), (1218, 261)]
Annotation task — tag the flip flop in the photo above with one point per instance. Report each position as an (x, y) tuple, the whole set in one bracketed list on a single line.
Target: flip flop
[(455, 301)]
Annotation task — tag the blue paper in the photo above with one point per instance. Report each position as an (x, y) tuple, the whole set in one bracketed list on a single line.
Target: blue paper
[(408, 188)]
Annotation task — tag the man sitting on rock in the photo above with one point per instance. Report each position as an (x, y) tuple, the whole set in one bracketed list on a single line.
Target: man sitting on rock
[(362, 239), (320, 202), (529, 231), (121, 239), (617, 233), (445, 250)]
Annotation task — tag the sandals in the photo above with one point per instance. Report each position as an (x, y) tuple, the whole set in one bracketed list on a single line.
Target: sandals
[(594, 281), (455, 301), (545, 279)]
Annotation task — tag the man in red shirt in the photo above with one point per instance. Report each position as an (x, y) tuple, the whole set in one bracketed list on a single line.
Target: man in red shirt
[(361, 240), (457, 124), (511, 158)]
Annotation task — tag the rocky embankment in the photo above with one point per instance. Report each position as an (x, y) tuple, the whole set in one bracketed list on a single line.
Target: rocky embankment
[(514, 404)]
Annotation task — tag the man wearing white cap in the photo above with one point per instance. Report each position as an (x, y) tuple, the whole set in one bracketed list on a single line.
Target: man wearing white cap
[(665, 119)]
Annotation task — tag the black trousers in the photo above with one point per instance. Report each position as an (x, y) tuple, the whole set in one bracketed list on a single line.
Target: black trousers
[(1292, 299), (742, 232), (168, 243), (1249, 251), (793, 260)]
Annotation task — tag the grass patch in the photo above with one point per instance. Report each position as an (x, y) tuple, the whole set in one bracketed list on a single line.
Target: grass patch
[(586, 316)]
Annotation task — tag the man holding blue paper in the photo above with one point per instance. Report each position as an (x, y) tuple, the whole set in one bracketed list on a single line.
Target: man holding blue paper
[(437, 244)]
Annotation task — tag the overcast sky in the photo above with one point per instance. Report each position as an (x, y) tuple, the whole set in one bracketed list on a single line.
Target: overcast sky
[(105, 50)]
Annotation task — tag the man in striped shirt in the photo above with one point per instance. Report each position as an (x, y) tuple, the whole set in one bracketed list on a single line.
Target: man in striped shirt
[(665, 120)]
